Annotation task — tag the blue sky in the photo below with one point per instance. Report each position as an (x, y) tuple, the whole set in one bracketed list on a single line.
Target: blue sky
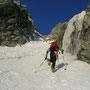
[(48, 13)]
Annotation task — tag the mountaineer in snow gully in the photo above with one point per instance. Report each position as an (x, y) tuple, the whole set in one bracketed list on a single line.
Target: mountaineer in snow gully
[(54, 49)]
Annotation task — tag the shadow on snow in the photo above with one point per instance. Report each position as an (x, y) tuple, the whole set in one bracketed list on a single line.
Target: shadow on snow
[(61, 66), (56, 68)]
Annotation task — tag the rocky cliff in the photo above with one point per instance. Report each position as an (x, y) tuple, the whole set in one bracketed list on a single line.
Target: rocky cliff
[(16, 25), (84, 52), (77, 36), (71, 41)]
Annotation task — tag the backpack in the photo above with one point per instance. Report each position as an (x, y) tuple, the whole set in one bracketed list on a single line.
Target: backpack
[(53, 52), (54, 46)]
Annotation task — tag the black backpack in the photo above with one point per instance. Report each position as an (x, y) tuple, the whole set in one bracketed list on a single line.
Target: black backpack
[(52, 49)]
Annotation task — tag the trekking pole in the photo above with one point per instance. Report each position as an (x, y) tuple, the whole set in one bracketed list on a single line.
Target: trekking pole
[(40, 66), (65, 63), (63, 58)]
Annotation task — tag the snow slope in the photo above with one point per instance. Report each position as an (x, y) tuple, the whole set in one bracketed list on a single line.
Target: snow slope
[(18, 66)]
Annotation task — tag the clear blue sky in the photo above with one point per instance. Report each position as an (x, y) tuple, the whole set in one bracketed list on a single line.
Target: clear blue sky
[(48, 13)]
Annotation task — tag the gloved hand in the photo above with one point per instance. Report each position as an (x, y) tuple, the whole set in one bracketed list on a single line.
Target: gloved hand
[(59, 52), (62, 51), (45, 58)]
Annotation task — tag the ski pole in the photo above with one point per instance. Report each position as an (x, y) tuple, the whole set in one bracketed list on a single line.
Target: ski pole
[(63, 58), (65, 63), (40, 66)]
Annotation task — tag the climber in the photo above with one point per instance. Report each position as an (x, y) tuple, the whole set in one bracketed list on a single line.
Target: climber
[(53, 55)]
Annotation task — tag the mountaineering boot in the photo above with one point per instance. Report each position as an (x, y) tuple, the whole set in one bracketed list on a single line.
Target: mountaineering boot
[(49, 63), (53, 69)]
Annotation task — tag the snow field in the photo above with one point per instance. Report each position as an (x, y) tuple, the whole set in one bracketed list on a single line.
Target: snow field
[(18, 66)]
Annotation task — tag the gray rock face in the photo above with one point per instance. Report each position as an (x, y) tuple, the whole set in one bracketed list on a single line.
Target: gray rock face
[(71, 41), (62, 29), (57, 33), (77, 36), (6, 1), (57, 30), (84, 53), (15, 26)]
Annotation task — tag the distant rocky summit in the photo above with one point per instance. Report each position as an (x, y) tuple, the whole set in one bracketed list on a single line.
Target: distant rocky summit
[(57, 33), (16, 25)]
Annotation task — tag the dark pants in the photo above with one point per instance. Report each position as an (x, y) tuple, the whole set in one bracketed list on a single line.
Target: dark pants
[(53, 59)]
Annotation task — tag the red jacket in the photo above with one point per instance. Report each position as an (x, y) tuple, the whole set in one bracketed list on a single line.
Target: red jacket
[(54, 44)]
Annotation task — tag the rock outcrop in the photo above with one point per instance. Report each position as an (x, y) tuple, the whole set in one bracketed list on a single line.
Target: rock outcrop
[(84, 52), (77, 36), (16, 26), (72, 41), (57, 33), (62, 29)]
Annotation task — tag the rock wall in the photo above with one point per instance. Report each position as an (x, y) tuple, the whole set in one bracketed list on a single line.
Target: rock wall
[(62, 29), (77, 36), (16, 26), (71, 41), (84, 52)]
